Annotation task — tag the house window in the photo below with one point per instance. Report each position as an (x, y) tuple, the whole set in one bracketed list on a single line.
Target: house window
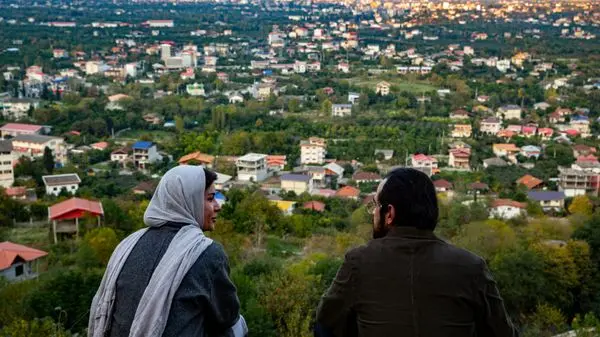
[(55, 189), (73, 187), (19, 270)]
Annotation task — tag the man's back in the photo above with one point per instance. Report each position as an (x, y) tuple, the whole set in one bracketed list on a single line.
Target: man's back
[(411, 283)]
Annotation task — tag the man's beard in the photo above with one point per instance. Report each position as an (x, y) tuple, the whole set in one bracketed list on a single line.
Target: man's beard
[(381, 229)]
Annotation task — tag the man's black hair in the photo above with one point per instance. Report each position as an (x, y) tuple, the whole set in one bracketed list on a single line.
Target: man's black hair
[(412, 194), (210, 178)]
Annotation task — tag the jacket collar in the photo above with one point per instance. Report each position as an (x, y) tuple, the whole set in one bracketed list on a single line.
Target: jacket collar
[(411, 232)]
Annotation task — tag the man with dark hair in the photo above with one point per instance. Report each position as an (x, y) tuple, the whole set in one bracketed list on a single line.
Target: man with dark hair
[(408, 282)]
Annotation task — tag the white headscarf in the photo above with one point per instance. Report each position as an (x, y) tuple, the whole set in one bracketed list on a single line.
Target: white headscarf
[(179, 197)]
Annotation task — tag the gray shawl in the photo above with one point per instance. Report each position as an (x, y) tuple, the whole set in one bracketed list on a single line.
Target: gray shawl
[(179, 197)]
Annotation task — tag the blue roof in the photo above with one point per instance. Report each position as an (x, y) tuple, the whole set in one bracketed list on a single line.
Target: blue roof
[(546, 195), (142, 145), (296, 177)]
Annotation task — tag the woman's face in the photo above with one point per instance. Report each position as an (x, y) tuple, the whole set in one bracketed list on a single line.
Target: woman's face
[(211, 208)]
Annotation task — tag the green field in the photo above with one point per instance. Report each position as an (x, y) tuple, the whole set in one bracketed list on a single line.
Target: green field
[(401, 84), (36, 237)]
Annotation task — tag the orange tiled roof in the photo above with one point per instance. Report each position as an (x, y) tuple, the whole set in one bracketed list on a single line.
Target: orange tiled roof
[(197, 156), (529, 181)]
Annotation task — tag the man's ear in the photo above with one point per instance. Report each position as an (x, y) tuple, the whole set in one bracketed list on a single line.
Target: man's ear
[(390, 215)]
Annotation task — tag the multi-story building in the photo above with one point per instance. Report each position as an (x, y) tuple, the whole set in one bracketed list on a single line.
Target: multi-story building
[(33, 146), (578, 182), (18, 108), (462, 131), (421, 160), (252, 167), (15, 129), (490, 126), (145, 153), (313, 151), (459, 158), (7, 177)]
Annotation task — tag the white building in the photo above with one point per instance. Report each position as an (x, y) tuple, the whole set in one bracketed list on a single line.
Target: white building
[(145, 153), (94, 67), (503, 65), (33, 146), (56, 183), (160, 23), (300, 67), (341, 110), (353, 97), (119, 156), (313, 151), (165, 51), (196, 89), (7, 176), (383, 88), (131, 69), (18, 108), (252, 167), (507, 209)]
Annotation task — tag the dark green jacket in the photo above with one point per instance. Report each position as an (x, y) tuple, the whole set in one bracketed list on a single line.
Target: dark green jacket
[(411, 283)]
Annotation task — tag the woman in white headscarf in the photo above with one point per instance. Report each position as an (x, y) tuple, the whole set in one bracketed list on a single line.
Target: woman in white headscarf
[(169, 279)]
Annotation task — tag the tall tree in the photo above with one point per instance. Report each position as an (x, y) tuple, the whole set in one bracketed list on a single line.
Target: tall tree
[(48, 160)]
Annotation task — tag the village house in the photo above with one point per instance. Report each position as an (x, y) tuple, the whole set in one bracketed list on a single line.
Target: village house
[(341, 110), (18, 108), (530, 182), (490, 126), (314, 205), (509, 151), (507, 209), (120, 155), (459, 158), (18, 262), (297, 183), (442, 186), (531, 151), (508, 112), (459, 114), (144, 153), (383, 88), (58, 182), (548, 200), (197, 158), (545, 133), (252, 167), (421, 160), (348, 192), (33, 146), (313, 151), (574, 182), (462, 131), (15, 129), (276, 163), (366, 177)]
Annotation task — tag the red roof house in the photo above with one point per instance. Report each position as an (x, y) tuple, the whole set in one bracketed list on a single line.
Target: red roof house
[(348, 192), (12, 253), (74, 208), (314, 205)]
